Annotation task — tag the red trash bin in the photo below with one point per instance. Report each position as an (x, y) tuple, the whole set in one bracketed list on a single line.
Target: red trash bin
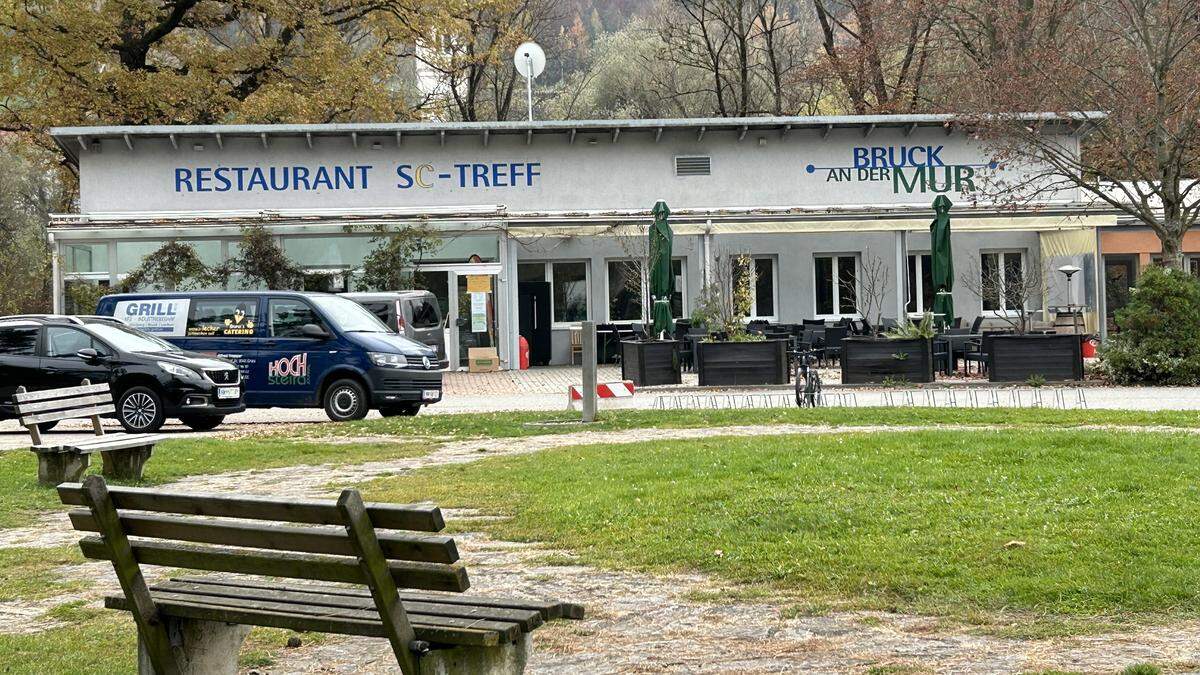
[(524, 349), (1089, 348)]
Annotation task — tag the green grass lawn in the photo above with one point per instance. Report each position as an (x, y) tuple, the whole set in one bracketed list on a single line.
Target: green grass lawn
[(515, 424), (21, 498), (1073, 525)]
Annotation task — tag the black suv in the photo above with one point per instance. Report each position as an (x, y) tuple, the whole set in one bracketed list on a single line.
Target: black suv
[(151, 379)]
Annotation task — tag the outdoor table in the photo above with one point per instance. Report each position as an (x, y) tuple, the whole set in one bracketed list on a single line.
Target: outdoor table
[(958, 346)]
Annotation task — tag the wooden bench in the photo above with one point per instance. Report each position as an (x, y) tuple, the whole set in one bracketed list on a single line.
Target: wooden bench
[(124, 455), (197, 624)]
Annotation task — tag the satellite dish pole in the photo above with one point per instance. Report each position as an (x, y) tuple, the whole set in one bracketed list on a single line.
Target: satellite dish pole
[(530, 61)]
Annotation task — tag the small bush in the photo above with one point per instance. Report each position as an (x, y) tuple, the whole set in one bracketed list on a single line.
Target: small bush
[(1036, 380), (1159, 338), (1142, 669)]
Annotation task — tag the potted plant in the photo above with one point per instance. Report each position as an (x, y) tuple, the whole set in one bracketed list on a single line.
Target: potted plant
[(738, 358), (1020, 354), (904, 354)]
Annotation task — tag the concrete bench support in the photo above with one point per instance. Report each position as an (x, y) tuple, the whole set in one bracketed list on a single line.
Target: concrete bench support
[(200, 647), (509, 659), (61, 467), (125, 464)]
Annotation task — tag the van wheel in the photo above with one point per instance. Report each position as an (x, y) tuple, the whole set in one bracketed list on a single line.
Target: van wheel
[(346, 400), (202, 422), (140, 410), (403, 410)]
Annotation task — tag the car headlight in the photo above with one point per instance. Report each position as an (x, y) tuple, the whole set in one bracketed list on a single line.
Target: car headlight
[(389, 360), (177, 370)]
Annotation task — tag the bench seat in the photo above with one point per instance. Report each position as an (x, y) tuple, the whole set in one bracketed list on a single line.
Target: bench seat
[(102, 443), (440, 620)]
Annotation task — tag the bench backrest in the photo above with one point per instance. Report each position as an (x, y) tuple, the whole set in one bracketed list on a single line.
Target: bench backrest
[(69, 403), (381, 546)]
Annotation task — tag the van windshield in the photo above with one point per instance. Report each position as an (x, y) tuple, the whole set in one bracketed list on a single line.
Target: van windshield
[(348, 316), (130, 340)]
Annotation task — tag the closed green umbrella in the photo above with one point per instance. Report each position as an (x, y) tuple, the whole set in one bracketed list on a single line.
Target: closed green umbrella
[(943, 261), (662, 282)]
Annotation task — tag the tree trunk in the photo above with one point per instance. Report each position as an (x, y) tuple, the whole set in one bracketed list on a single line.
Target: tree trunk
[(1172, 248)]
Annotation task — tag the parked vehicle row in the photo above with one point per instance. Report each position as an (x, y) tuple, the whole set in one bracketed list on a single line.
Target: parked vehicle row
[(201, 356), (294, 350)]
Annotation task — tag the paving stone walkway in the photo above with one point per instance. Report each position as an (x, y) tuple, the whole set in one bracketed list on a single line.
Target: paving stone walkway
[(640, 623)]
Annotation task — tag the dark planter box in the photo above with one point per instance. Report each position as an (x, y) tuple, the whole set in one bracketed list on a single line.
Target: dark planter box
[(742, 363), (868, 360), (650, 364), (1014, 358)]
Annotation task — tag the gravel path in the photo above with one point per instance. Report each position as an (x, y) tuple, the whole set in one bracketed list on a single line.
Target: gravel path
[(640, 623)]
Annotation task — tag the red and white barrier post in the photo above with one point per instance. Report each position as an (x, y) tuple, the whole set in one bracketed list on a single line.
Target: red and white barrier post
[(622, 389)]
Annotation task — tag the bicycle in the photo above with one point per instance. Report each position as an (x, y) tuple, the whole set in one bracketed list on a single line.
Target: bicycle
[(808, 381)]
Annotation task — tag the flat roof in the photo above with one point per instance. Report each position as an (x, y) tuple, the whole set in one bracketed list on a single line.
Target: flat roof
[(74, 139)]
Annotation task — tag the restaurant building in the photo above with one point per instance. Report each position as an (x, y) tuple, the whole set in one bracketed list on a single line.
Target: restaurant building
[(554, 212)]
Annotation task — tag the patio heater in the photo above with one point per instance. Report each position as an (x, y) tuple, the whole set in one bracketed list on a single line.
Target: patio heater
[(1070, 271)]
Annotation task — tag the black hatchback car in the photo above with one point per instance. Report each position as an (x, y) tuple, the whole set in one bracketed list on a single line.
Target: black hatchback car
[(151, 379)]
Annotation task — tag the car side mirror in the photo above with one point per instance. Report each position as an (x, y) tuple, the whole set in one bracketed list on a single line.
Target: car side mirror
[(89, 355), (312, 330)]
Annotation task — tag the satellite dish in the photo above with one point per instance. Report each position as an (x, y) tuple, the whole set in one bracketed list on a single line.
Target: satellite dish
[(530, 60)]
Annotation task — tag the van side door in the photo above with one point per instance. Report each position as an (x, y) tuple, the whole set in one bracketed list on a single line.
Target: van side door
[(292, 363), (227, 327)]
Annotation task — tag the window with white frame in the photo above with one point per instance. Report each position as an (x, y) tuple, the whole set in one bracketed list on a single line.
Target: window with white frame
[(762, 283), (1001, 280), (836, 284), (920, 283), (568, 287), (626, 288)]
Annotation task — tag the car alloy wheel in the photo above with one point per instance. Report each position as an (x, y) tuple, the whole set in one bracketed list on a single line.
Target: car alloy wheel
[(139, 410)]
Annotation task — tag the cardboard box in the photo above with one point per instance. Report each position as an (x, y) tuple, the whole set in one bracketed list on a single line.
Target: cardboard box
[(483, 360)]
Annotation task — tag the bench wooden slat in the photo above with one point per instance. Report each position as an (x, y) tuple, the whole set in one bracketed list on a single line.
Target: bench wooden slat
[(61, 404), (104, 409), (527, 619), (216, 611), (65, 392), (102, 443), (549, 610), (312, 566), (321, 539), (417, 517), (507, 631)]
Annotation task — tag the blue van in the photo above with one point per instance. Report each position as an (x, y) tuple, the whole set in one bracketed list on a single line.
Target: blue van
[(295, 350)]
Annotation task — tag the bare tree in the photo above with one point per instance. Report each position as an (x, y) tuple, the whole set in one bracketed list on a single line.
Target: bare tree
[(868, 287), (1006, 285), (878, 50), (725, 299), (1134, 60)]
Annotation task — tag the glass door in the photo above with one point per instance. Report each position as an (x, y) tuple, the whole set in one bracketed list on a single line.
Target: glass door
[(475, 323)]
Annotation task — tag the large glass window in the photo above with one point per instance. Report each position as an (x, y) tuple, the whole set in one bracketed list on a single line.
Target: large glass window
[(762, 284), (920, 283), (222, 317), (535, 271), (625, 289), (85, 258), (130, 254), (18, 340), (1001, 280), (569, 285), (836, 281), (678, 270), (437, 283)]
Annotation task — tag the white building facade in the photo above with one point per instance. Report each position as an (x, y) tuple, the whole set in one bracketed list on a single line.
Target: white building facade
[(813, 202)]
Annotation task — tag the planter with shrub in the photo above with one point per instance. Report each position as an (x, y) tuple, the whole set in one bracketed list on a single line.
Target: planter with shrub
[(867, 360), (651, 363), (1158, 332), (1050, 358), (742, 362)]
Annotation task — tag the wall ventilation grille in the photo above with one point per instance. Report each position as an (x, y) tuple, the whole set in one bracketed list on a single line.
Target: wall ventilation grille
[(693, 166)]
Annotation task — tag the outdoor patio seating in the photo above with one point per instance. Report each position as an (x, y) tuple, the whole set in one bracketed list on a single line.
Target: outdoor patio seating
[(833, 341)]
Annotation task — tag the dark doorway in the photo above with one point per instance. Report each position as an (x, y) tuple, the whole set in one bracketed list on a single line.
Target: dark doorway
[(1120, 274), (533, 301)]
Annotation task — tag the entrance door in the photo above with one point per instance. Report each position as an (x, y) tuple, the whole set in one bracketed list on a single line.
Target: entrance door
[(475, 322), (533, 299), (1120, 274)]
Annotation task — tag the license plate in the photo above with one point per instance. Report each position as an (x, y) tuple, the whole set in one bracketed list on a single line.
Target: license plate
[(225, 393), (431, 394)]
